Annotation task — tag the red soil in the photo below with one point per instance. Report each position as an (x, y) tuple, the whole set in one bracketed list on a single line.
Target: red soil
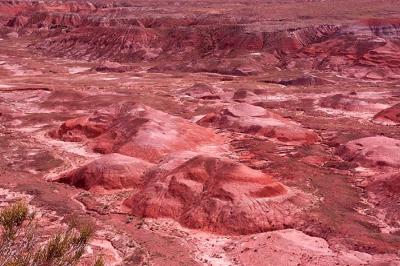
[(111, 171), (217, 195), (372, 151), (250, 119), (390, 115), (138, 131), (282, 89)]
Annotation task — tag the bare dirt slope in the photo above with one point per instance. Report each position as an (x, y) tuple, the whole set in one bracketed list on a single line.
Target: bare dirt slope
[(207, 132)]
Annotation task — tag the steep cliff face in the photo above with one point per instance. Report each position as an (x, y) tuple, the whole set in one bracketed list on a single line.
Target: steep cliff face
[(46, 20), (13, 7), (388, 28), (186, 44), (119, 44), (30, 17), (368, 49), (365, 49), (289, 41)]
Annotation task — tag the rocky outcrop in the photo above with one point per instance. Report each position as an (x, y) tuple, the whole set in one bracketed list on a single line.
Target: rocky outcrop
[(218, 195), (255, 120)]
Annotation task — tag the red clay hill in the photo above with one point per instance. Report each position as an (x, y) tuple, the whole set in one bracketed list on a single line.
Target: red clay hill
[(218, 195), (137, 130), (195, 132)]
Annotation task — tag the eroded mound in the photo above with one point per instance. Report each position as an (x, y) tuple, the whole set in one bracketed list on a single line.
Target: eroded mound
[(245, 95), (202, 91), (305, 80), (372, 151), (384, 191), (291, 248), (381, 183), (389, 116), (137, 130), (359, 50), (218, 195), (112, 67), (111, 171), (350, 102), (250, 119)]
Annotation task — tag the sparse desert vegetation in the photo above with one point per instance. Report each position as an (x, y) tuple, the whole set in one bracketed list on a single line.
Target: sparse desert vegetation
[(22, 245)]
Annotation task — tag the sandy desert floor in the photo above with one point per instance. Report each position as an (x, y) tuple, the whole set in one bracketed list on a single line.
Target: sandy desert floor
[(207, 132)]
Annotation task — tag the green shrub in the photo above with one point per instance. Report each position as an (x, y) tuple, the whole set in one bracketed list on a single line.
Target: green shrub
[(99, 262), (21, 246), (12, 217)]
